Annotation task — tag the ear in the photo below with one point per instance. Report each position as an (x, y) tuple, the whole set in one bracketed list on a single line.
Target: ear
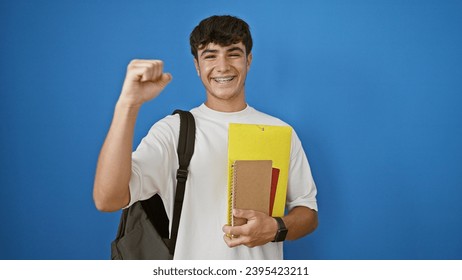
[(249, 60), (196, 64)]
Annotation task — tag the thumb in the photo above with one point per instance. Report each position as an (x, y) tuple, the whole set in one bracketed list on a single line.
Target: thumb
[(165, 79)]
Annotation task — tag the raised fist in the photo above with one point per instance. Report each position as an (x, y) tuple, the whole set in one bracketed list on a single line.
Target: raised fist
[(145, 80)]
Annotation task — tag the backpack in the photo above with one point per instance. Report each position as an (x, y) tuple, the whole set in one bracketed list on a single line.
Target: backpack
[(143, 232)]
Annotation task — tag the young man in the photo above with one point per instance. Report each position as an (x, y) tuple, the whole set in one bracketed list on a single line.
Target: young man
[(221, 46)]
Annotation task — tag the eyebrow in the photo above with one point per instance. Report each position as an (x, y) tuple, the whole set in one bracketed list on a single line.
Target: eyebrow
[(235, 49), (206, 51)]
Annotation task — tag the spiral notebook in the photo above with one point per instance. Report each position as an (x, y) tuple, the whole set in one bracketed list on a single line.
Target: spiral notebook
[(251, 187)]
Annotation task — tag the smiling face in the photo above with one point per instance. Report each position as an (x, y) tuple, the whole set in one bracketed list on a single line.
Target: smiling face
[(223, 70)]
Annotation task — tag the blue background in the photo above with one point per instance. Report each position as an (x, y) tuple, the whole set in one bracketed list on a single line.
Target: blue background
[(373, 88)]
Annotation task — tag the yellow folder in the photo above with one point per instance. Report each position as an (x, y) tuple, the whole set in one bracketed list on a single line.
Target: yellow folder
[(260, 142)]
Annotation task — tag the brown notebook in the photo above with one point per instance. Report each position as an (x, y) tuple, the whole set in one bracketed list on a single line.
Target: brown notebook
[(251, 186)]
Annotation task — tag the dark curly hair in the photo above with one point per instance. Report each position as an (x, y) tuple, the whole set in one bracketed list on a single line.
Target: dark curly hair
[(222, 30)]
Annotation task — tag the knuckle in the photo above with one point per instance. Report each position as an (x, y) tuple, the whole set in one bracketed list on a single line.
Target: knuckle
[(246, 232), (149, 67), (156, 63), (133, 62)]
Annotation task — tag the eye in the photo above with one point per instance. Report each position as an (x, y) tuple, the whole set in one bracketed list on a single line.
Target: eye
[(235, 55), (209, 57)]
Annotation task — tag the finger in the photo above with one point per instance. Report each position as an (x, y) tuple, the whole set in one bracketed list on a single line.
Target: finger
[(138, 74), (165, 79), (226, 229), (233, 241), (146, 70), (148, 74), (227, 240), (236, 231), (152, 71), (246, 214), (145, 63), (155, 71)]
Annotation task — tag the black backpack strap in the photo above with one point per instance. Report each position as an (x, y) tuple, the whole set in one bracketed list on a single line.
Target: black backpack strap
[(185, 151)]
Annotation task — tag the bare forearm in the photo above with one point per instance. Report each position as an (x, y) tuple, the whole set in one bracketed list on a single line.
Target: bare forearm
[(300, 221), (113, 170), (144, 81)]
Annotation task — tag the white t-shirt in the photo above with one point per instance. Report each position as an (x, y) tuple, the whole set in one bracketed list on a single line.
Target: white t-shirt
[(200, 235)]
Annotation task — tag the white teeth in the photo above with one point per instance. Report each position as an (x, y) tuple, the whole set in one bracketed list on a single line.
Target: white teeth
[(223, 79)]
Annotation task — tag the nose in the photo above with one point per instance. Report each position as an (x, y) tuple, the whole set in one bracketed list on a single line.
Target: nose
[(222, 64)]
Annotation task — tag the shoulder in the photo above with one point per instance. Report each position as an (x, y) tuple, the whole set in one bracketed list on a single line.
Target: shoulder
[(168, 122), (166, 128)]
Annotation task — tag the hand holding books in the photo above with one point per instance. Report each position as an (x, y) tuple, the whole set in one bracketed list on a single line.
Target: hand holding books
[(259, 229)]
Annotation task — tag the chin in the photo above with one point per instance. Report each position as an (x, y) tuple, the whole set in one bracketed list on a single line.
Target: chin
[(225, 96)]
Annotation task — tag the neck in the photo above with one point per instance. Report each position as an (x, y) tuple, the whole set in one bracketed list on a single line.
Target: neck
[(226, 105)]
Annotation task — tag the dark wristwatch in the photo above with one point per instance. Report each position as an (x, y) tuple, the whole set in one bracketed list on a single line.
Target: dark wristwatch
[(282, 230)]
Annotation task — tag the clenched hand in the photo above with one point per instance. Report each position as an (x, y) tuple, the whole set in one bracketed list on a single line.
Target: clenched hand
[(144, 81)]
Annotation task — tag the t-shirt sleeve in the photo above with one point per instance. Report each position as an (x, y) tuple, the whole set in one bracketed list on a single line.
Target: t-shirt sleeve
[(153, 162), (301, 190)]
